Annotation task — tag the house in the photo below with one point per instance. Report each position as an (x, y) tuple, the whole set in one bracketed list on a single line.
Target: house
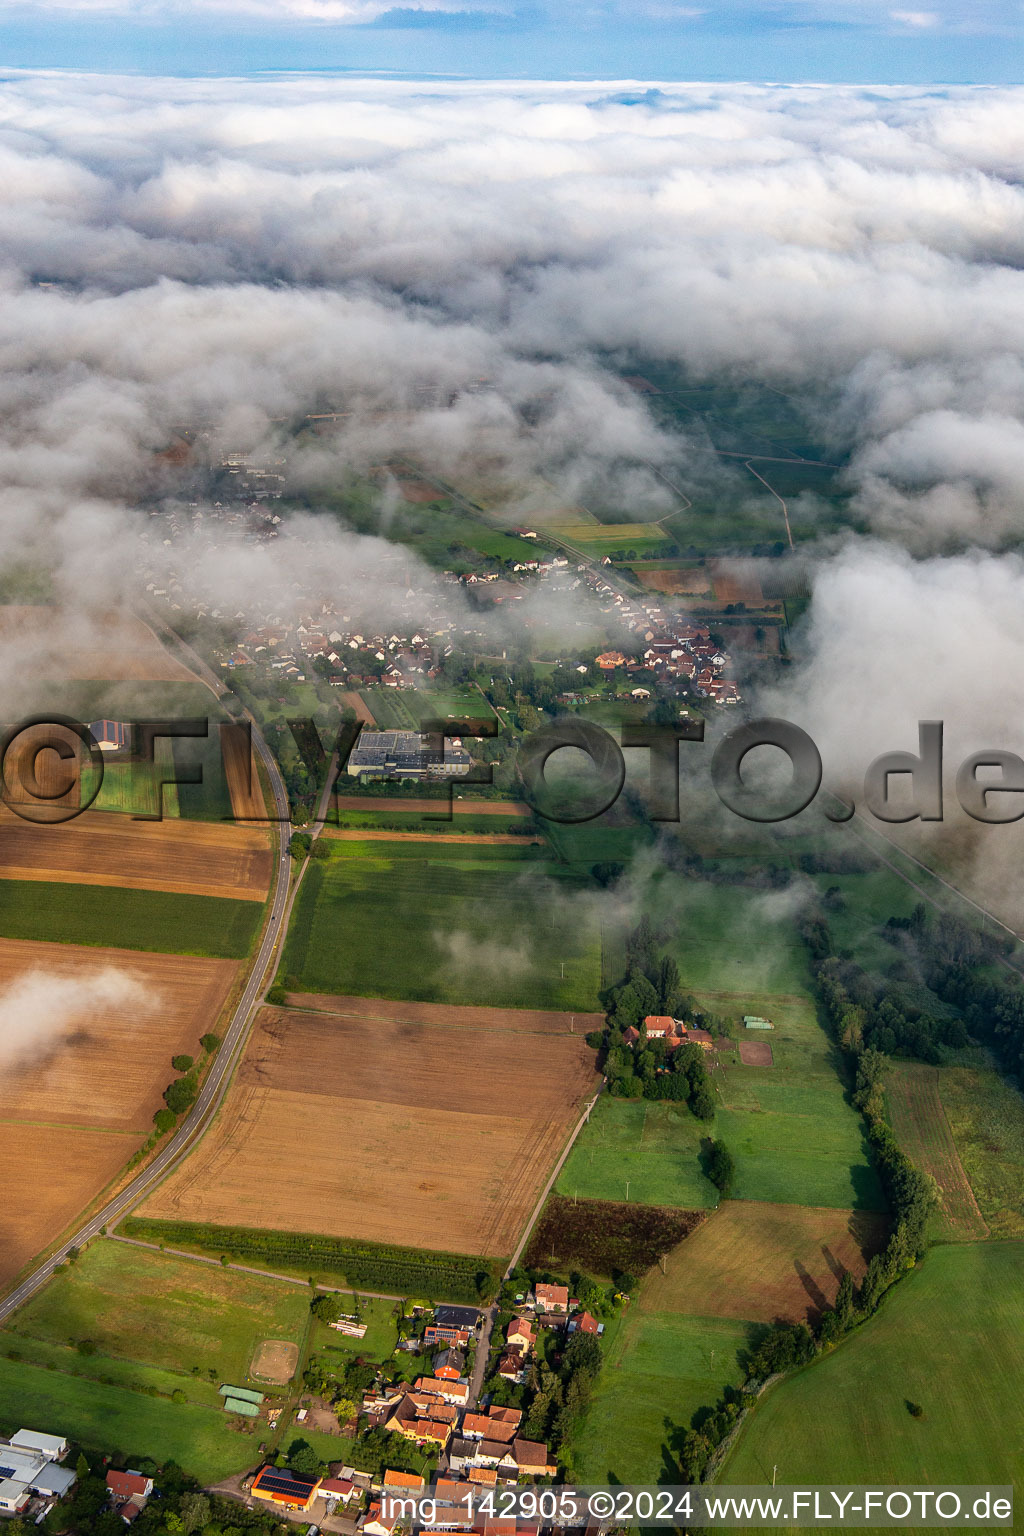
[(511, 1366), (584, 1322), (405, 1480), (375, 1524), (520, 1335), (448, 1391), (531, 1457), (14, 1496), (449, 1364), (498, 1424), (630, 1035), (658, 1025), (552, 1298), (129, 1485), (338, 1489), (609, 660), (290, 1490)]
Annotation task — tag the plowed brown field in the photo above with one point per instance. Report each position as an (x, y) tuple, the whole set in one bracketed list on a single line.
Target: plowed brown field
[(387, 1129), (240, 771), (51, 1173), (198, 858), (921, 1127), (110, 1070), (516, 1021), (106, 647), (764, 1262)]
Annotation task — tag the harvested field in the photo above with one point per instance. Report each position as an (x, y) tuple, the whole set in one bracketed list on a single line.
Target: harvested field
[(765, 1262), (42, 773), (51, 1173), (692, 581), (111, 1067), (606, 1237), (350, 699), (735, 584), (379, 1131), (399, 803), (52, 643), (516, 1021), (247, 803), (275, 1360), (756, 1053), (383, 835), (919, 1122), (419, 491), (196, 858)]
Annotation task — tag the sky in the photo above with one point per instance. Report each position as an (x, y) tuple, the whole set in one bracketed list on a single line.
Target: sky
[(858, 41)]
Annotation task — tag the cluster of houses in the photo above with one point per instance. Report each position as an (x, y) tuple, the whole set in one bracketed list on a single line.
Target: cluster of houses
[(674, 1032), (683, 655), (33, 1478)]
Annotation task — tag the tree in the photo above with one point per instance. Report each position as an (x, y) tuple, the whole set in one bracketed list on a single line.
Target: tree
[(304, 1460), (182, 1063), (181, 1094), (164, 1120), (210, 1043), (299, 845), (321, 849), (668, 985), (195, 1511), (721, 1168), (327, 1306)]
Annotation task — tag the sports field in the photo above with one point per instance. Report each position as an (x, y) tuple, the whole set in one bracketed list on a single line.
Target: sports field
[(658, 1371), (448, 924), (949, 1337), (188, 857), (654, 1148), (104, 915), (764, 1262), (386, 1130), (922, 1130), (141, 1305)]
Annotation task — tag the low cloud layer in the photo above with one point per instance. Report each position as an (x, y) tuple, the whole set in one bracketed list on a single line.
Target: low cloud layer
[(40, 1011)]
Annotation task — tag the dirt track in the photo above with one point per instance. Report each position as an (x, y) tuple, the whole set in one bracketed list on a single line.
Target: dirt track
[(199, 858), (381, 835), (464, 807)]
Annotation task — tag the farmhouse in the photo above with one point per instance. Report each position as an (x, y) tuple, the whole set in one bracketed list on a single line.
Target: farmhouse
[(290, 1490), (499, 1424), (129, 1493), (673, 1031)]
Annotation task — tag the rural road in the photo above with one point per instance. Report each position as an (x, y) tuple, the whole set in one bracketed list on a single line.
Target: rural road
[(219, 1075)]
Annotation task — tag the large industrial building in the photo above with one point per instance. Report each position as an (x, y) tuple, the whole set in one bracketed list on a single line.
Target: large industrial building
[(406, 755), (29, 1467)]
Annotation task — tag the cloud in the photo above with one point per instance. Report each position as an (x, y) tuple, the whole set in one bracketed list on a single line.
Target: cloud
[(918, 20), (39, 1011)]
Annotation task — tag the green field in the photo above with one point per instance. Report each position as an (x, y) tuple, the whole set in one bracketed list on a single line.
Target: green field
[(658, 1370), (136, 1304), (381, 1336), (949, 1337), (413, 821), (459, 925), (114, 1419), (986, 1117), (729, 938), (653, 1146), (109, 916)]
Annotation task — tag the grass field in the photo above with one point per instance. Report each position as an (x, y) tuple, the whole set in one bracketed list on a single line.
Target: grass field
[(659, 1370), (919, 1121), (384, 1129), (138, 1305), (949, 1337), (763, 1262), (380, 1338), (184, 857), (141, 919), (114, 1418), (729, 938), (457, 925), (986, 1118), (653, 1147)]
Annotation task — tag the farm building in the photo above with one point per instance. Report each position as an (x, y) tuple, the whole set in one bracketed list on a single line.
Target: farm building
[(673, 1031), (274, 1485), (109, 735), (239, 1405), (52, 1446), (26, 1469), (754, 1021), (243, 1394)]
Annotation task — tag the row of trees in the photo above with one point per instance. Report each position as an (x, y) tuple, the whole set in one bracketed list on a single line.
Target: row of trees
[(181, 1094)]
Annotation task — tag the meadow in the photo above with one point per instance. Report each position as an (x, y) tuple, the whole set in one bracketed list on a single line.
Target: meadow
[(986, 1118), (659, 1370), (457, 925), (915, 1112), (139, 1305), (949, 1337), (218, 927), (109, 1419), (654, 1148)]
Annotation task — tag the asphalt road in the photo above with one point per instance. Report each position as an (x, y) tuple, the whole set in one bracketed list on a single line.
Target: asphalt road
[(215, 1085)]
